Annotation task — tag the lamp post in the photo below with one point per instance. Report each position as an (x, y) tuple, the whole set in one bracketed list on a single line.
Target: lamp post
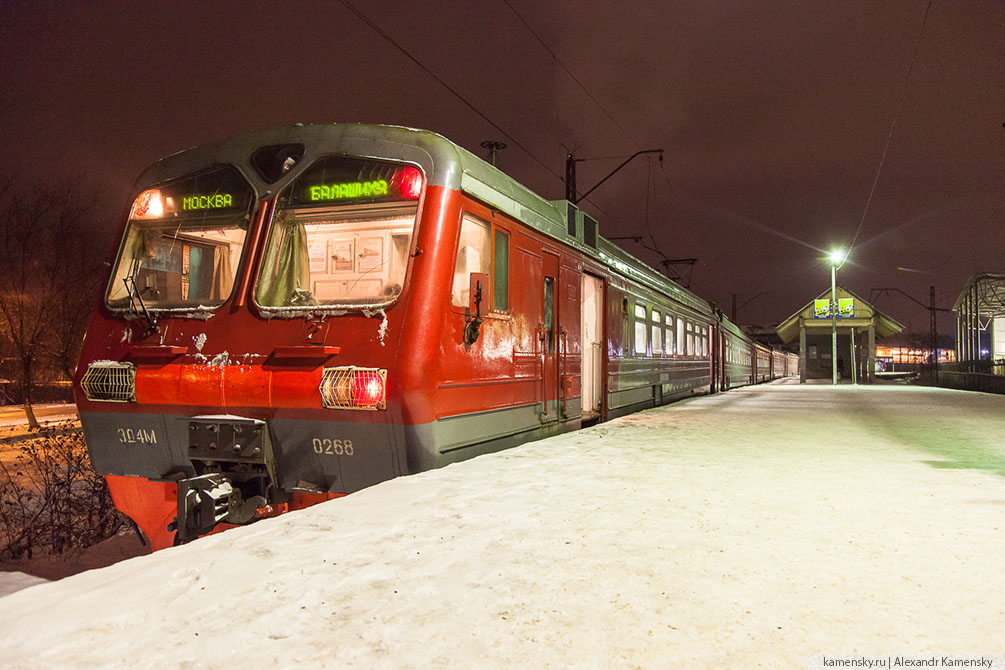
[(837, 257)]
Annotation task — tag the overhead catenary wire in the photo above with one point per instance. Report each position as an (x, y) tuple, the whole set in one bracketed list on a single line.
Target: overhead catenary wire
[(390, 40), (569, 72), (582, 86), (889, 136)]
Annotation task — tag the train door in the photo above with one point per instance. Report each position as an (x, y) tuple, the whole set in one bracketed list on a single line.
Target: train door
[(549, 340), (591, 337), (713, 356)]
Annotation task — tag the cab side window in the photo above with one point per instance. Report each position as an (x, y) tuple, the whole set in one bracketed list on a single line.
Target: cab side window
[(500, 266), (473, 255), (483, 248)]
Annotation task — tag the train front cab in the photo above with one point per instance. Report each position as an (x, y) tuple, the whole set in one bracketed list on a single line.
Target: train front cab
[(209, 388)]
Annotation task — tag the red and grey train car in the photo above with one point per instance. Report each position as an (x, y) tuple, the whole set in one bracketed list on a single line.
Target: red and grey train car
[(299, 314)]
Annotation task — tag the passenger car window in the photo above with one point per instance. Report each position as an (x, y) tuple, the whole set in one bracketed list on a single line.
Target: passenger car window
[(641, 329)]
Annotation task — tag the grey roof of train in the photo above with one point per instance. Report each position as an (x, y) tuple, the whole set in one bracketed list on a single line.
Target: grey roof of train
[(444, 163)]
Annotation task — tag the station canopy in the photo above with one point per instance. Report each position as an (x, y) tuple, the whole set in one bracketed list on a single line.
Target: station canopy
[(979, 309), (987, 295), (853, 312)]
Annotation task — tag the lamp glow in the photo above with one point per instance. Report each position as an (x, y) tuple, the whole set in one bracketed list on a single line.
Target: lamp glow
[(837, 256)]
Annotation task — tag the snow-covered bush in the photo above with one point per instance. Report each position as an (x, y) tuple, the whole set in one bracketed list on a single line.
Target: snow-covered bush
[(51, 499)]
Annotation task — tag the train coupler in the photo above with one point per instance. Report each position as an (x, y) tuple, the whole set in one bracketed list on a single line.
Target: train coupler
[(209, 499)]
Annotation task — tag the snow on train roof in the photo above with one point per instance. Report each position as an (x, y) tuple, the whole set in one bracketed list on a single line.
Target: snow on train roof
[(445, 164)]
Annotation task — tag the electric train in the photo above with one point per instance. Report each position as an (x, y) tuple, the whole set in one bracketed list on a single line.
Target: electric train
[(298, 314)]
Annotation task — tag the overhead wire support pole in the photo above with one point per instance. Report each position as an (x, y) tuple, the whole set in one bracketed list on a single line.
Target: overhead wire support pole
[(933, 325), (570, 174), (834, 326)]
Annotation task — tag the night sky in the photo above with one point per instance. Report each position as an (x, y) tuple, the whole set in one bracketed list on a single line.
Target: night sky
[(774, 116)]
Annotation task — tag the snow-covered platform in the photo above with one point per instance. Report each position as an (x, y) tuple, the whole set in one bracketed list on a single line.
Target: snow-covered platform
[(749, 529)]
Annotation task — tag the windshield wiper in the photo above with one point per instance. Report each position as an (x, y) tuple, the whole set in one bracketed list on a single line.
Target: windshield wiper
[(135, 297)]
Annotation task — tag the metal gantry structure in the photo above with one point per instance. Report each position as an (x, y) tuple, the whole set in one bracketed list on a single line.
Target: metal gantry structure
[(981, 309), (933, 324)]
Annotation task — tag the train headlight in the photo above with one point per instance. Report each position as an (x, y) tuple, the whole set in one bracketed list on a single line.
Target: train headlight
[(354, 388), (148, 205), (110, 381)]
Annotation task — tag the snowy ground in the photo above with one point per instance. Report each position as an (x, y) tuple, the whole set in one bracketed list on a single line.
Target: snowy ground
[(748, 529), (12, 416)]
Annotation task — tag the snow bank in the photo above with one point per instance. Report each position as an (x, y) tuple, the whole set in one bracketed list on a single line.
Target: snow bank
[(748, 529), (15, 581)]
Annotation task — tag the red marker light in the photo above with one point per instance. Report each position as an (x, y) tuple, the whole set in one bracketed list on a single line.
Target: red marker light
[(368, 388), (410, 183)]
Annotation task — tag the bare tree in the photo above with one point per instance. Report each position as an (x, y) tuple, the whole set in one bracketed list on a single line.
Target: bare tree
[(48, 273), (79, 274)]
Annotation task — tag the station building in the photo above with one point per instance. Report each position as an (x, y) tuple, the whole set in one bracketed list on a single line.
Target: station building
[(859, 324)]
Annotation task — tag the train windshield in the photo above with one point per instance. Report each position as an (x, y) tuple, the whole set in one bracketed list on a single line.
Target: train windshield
[(341, 235), (183, 243)]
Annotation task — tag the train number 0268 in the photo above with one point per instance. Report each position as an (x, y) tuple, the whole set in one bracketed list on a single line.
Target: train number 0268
[(330, 447)]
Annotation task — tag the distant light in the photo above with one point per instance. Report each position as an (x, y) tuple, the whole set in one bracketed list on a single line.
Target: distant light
[(838, 256)]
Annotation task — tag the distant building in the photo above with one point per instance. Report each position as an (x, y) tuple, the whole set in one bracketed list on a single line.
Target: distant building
[(888, 355)]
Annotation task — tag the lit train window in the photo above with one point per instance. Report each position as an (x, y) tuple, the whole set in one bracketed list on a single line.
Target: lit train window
[(183, 242), (641, 329), (657, 333), (669, 335), (341, 235), (690, 339)]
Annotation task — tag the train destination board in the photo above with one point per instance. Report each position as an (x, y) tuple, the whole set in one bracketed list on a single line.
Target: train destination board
[(348, 190), (211, 201)]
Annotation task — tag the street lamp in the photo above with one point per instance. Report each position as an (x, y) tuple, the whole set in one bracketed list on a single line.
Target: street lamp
[(836, 257)]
